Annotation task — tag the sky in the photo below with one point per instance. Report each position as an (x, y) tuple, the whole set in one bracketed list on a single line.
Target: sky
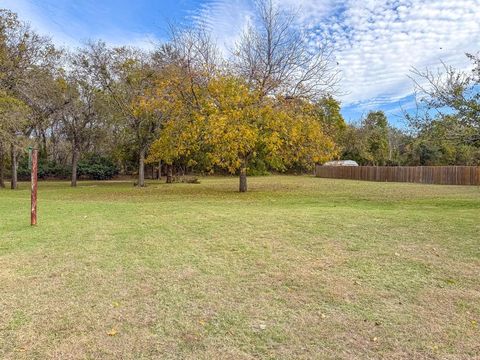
[(377, 42)]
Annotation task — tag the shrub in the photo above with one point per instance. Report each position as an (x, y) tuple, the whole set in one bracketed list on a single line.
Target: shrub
[(257, 168), (46, 170), (97, 167)]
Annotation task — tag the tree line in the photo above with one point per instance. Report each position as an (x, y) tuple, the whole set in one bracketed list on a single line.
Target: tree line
[(267, 105)]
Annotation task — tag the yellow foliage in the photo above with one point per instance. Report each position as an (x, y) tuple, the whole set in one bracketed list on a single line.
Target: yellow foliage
[(232, 125)]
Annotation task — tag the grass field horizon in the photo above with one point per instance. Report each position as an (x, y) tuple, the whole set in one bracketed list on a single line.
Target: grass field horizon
[(299, 267)]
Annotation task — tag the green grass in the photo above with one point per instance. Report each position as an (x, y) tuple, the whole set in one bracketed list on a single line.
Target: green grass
[(299, 267)]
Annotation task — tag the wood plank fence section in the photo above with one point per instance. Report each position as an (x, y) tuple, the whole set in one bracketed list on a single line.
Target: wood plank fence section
[(444, 175)]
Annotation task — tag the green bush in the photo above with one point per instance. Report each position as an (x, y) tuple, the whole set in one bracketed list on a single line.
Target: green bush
[(46, 170), (257, 168), (97, 167)]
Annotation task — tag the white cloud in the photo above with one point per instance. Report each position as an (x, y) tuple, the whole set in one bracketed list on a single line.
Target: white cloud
[(382, 40), (377, 41)]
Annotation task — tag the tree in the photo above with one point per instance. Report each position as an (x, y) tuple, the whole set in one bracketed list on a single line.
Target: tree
[(372, 142), (375, 126), (238, 127), (451, 94), (398, 143), (447, 119), (179, 138), (327, 111), (22, 52), (181, 124), (354, 145), (187, 63), (277, 57), (432, 146), (233, 128), (125, 74), (184, 67), (79, 117), (24, 57), (13, 114)]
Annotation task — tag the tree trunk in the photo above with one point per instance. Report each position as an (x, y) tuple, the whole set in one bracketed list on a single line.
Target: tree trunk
[(75, 156), (141, 169), (169, 173), (44, 145), (159, 175), (243, 178), (13, 184), (2, 166)]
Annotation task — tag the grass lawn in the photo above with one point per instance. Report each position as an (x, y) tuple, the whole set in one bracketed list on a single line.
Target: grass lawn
[(298, 268)]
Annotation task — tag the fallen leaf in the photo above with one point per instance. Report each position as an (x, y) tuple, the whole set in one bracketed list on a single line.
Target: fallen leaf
[(112, 332), (260, 326)]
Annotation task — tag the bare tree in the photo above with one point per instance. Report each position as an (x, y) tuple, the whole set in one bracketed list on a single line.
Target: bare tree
[(192, 49), (279, 57), (449, 93)]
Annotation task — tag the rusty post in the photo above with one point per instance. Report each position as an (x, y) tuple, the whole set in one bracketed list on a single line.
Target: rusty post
[(34, 185)]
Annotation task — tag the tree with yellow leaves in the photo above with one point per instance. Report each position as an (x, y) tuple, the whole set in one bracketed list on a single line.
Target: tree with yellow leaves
[(239, 124), (187, 64), (180, 131), (235, 125)]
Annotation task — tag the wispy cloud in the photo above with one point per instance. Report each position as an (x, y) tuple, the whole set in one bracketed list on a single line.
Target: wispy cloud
[(70, 24), (225, 19), (30, 11)]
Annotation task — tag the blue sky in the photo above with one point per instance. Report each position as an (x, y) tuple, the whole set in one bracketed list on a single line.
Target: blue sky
[(377, 42)]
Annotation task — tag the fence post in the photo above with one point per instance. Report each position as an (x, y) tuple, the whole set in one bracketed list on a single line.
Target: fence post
[(34, 186)]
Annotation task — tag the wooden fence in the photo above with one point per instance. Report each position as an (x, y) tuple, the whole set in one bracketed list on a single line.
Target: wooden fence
[(445, 175)]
